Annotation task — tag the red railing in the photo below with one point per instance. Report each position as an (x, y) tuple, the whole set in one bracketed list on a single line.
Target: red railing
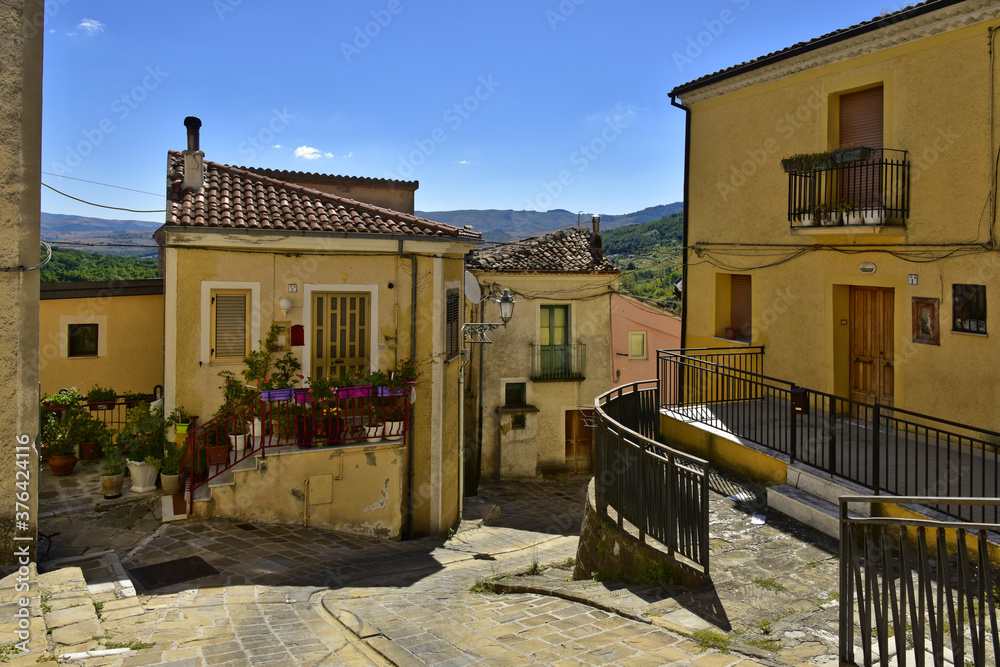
[(251, 428)]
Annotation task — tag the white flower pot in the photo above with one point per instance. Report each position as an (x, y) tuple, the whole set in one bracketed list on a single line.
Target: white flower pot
[(239, 443), (854, 218), (143, 476), (806, 219), (874, 217), (374, 433), (393, 431)]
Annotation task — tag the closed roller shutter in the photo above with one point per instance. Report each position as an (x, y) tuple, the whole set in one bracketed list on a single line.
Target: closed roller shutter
[(740, 306), (861, 118), (230, 326)]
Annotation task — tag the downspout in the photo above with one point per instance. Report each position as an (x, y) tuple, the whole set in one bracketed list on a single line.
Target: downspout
[(413, 355), (685, 286)]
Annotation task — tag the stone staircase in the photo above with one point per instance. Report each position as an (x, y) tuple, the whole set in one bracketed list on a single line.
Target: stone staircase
[(82, 610), (811, 497)]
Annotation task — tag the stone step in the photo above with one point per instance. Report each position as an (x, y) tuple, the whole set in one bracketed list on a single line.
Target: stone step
[(806, 508), (825, 486)]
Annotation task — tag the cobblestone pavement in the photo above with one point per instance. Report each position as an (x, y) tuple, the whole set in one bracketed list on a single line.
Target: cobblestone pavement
[(294, 595)]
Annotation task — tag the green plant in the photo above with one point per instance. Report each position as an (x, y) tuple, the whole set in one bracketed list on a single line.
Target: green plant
[(134, 396), (171, 459), (144, 433), (62, 434), (481, 586), (322, 388), (771, 645), (845, 207), (258, 362), (64, 397), (114, 462), (711, 639), (286, 369), (768, 584), (97, 394), (180, 416)]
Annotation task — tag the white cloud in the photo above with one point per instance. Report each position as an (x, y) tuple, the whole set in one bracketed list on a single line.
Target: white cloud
[(277, 146), (308, 153), (463, 161), (91, 27), (327, 154)]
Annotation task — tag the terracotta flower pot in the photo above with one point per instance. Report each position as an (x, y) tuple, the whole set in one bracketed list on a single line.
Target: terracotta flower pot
[(62, 464)]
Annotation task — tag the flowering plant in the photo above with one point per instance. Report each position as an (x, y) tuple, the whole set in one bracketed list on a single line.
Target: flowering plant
[(180, 415)]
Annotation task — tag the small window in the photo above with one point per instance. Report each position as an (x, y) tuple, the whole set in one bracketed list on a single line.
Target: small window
[(230, 333), (636, 344), (969, 308), (82, 340), (515, 396), (452, 327)]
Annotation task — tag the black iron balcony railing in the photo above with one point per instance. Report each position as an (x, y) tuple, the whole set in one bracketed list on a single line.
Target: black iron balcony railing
[(558, 362), (873, 191)]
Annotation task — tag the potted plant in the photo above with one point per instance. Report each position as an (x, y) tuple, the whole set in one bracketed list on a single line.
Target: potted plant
[(101, 398), (333, 424), (93, 435), (58, 437), (133, 398), (113, 477), (851, 154), (170, 474), (142, 440), (62, 399), (394, 417), (181, 420), (874, 215), (849, 215), (375, 426), (801, 162), (216, 447), (805, 216)]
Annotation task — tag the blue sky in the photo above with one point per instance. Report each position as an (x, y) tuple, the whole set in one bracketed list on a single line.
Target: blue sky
[(518, 104)]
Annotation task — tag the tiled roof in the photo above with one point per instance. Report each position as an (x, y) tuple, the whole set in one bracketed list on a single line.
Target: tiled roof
[(237, 198), (299, 176), (567, 250), (829, 38)]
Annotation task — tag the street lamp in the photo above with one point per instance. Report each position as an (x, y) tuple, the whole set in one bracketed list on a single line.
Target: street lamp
[(475, 332)]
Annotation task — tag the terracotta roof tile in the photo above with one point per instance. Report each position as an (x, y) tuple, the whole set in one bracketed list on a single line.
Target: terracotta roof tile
[(567, 250), (236, 197)]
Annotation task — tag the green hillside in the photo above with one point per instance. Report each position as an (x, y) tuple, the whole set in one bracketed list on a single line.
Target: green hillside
[(649, 256), (69, 265)]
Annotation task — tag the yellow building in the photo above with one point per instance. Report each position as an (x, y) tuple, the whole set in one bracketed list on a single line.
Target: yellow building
[(104, 333), (865, 274), (540, 376), (352, 284)]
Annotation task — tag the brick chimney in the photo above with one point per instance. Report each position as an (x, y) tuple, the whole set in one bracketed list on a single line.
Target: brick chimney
[(596, 242), (194, 158)]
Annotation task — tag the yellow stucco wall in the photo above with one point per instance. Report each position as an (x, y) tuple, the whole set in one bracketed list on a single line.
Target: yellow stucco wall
[(511, 452), (937, 107), (130, 329), (267, 264), (352, 489)]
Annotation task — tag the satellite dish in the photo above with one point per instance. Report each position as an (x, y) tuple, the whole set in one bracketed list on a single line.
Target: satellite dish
[(472, 290)]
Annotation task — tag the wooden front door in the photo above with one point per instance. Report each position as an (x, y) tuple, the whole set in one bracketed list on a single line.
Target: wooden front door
[(871, 345), (341, 327), (579, 441)]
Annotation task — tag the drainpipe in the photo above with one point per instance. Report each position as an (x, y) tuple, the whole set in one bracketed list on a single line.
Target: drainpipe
[(685, 285), (413, 355)]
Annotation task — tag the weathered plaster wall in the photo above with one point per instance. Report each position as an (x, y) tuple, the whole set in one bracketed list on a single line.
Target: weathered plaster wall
[(355, 489), (21, 23)]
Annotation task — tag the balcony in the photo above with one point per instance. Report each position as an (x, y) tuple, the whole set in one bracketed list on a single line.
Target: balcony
[(868, 194), (558, 362)]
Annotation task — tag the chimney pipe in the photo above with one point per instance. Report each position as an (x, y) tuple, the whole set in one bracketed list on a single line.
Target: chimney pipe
[(193, 124), (597, 223)]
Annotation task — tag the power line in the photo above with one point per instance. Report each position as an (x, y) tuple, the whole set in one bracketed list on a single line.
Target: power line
[(113, 208), (107, 185)]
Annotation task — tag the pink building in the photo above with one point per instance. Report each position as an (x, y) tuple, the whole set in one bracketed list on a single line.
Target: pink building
[(638, 329)]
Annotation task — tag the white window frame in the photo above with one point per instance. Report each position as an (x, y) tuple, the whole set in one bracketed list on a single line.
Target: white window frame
[(209, 286)]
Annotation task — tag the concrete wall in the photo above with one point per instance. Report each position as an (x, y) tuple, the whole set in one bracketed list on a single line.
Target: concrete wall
[(663, 332), (267, 263), (354, 489), (130, 334), (937, 107), (21, 27), (509, 452)]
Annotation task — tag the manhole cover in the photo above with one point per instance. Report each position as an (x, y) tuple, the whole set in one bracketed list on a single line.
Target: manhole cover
[(171, 572)]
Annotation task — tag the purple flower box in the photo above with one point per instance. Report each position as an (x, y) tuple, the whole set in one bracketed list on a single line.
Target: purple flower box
[(302, 396), (363, 391), (276, 394), (385, 391)]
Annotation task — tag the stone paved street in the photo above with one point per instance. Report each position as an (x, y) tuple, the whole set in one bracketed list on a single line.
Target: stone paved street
[(495, 594)]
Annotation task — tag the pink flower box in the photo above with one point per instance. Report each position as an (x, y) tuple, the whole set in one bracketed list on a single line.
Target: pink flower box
[(363, 391), (302, 396)]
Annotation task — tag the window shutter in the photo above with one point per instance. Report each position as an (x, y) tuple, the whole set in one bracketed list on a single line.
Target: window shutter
[(740, 306), (230, 326), (452, 329), (861, 118)]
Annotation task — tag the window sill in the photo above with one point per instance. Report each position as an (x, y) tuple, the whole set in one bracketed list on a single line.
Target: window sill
[(975, 334), (737, 341), (507, 409), (849, 230)]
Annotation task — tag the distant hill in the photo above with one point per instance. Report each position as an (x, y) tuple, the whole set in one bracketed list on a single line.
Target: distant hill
[(510, 225), (114, 236), (69, 265), (649, 256)]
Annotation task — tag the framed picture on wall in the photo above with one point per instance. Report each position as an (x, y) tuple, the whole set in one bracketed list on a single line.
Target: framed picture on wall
[(926, 328)]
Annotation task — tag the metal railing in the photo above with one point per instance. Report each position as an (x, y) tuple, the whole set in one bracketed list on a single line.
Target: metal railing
[(660, 491), (558, 362), (871, 191), (255, 426), (909, 595), (881, 447)]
